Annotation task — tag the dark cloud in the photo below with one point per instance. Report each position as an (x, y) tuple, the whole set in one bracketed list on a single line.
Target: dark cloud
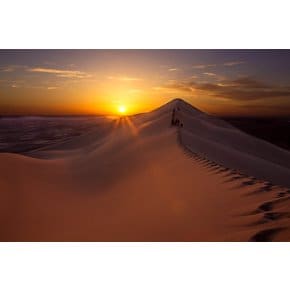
[(240, 89), (246, 82)]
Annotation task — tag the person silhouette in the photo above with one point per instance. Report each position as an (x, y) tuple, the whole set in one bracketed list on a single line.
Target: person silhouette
[(173, 118)]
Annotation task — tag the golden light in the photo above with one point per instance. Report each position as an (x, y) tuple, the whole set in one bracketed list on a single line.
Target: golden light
[(122, 109)]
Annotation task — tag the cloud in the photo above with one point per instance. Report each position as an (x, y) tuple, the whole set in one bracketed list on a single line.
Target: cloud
[(178, 85), (60, 72), (124, 78), (203, 66), (11, 68), (232, 63), (246, 82), (16, 83), (7, 69), (51, 88), (238, 89), (209, 74), (173, 69)]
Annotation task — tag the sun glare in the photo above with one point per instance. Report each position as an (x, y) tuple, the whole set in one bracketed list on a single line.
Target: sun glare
[(122, 109)]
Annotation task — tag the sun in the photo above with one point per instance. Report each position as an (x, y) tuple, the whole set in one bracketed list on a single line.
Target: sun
[(122, 109)]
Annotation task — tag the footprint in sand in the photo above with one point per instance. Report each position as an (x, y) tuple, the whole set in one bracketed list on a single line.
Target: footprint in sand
[(266, 206), (283, 193), (249, 182), (265, 235)]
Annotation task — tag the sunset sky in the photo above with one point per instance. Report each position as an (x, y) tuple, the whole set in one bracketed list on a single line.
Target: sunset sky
[(220, 82)]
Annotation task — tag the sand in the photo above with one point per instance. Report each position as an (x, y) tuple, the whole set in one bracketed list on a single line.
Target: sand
[(140, 179)]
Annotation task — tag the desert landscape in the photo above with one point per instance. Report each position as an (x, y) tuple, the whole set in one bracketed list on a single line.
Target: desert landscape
[(172, 174)]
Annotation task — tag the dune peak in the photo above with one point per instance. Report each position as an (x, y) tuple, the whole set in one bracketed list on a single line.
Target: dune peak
[(180, 104)]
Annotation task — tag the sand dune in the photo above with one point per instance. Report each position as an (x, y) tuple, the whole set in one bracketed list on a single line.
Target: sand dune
[(140, 179)]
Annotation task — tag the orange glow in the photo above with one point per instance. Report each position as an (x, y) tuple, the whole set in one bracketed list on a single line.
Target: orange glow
[(128, 82)]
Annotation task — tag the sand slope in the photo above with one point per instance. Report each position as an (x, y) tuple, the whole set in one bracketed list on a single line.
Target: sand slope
[(139, 179)]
